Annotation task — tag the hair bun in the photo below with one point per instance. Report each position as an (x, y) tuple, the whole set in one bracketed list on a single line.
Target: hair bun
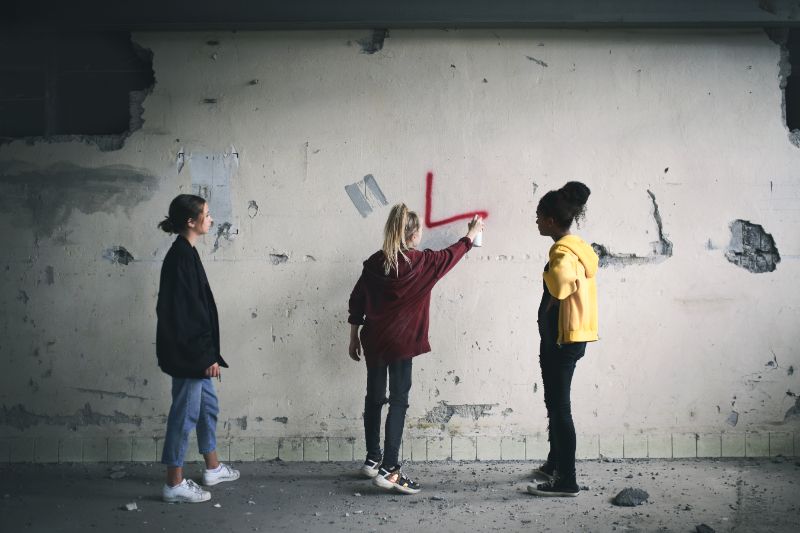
[(167, 225), (575, 192)]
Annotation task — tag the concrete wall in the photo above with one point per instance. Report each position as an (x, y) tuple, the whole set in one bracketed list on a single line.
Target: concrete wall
[(679, 135)]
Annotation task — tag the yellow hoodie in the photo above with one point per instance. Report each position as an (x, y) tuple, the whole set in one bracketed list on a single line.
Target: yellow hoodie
[(571, 279)]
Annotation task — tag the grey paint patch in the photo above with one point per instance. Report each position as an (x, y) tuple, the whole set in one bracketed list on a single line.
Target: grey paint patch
[(366, 195), (443, 412), (790, 370), (373, 43), (209, 100), (50, 275), (281, 419), (277, 259), (118, 255), (20, 418), (630, 497), (733, 418), (794, 412), (23, 297), (103, 393), (252, 209), (537, 61), (241, 422), (662, 248), (52, 193), (752, 248), (212, 174)]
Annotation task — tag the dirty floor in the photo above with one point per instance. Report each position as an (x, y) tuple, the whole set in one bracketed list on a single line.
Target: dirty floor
[(726, 495)]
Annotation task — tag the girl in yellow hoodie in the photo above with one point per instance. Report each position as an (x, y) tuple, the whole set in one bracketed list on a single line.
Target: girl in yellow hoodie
[(567, 321)]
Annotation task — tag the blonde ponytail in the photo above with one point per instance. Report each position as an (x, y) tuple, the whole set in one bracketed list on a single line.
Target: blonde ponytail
[(400, 228)]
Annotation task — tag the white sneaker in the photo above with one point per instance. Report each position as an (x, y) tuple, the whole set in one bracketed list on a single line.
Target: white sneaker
[(222, 473), (186, 492), (370, 468)]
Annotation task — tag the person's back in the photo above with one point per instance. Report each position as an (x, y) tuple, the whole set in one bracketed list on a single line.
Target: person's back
[(391, 300)]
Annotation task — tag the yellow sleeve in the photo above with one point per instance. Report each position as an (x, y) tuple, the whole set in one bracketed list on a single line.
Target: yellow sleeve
[(562, 275)]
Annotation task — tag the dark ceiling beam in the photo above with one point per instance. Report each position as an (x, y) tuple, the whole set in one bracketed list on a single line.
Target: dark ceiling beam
[(344, 14)]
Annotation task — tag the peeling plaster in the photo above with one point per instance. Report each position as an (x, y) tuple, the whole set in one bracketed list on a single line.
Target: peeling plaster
[(662, 248), (752, 248), (443, 412), (118, 255), (373, 43), (537, 61), (103, 393), (278, 259)]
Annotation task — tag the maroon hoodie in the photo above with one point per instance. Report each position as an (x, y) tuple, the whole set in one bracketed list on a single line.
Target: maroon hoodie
[(395, 308)]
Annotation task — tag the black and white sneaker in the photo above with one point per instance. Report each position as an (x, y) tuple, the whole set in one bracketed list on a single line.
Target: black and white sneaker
[(546, 471), (393, 478), (557, 487), (370, 468)]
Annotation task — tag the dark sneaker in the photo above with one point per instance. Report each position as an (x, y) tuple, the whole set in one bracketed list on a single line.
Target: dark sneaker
[(393, 478), (555, 488), (546, 471), (370, 468)]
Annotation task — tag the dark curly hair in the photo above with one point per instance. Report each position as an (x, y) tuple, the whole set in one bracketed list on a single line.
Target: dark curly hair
[(566, 205)]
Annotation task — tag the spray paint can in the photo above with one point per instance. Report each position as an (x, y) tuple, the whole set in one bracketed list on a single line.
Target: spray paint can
[(478, 240)]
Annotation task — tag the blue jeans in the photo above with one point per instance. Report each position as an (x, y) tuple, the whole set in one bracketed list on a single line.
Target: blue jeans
[(194, 405), (399, 385), (558, 367)]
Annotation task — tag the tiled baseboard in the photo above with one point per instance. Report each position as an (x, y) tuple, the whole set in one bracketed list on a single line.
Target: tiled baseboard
[(415, 448)]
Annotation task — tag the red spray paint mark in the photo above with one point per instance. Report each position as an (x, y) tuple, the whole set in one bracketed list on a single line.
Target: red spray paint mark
[(429, 207)]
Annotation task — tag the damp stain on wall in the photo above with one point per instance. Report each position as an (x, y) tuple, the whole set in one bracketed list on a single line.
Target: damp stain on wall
[(18, 417), (752, 248), (53, 193)]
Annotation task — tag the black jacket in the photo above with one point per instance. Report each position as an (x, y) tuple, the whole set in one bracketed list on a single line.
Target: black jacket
[(187, 335)]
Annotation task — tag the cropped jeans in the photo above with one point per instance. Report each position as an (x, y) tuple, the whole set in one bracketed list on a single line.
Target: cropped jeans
[(194, 406)]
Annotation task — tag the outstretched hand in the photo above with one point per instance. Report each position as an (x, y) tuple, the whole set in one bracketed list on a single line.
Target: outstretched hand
[(474, 227)]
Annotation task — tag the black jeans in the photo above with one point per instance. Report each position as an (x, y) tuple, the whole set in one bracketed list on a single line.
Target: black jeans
[(399, 385), (558, 366)]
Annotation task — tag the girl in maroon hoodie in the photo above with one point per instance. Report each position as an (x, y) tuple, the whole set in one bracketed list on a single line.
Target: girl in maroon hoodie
[(391, 300)]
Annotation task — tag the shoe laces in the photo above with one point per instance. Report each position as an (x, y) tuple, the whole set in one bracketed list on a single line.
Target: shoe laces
[(192, 486)]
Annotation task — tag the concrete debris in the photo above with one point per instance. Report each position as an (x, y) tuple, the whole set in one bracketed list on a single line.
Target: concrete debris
[(702, 528), (630, 497), (250, 502), (281, 419), (118, 475), (218, 505), (131, 506)]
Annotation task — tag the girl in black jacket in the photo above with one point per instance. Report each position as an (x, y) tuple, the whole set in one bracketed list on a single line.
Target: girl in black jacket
[(188, 349)]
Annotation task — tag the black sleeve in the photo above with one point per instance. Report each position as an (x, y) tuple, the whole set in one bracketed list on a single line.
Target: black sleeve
[(191, 319)]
